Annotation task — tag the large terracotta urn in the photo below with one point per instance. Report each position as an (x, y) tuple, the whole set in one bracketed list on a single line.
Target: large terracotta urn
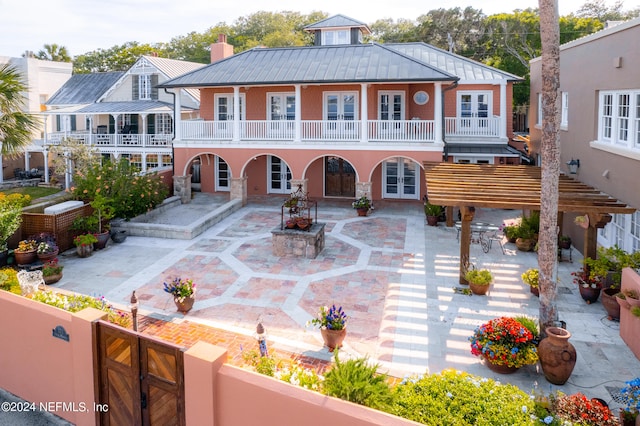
[(557, 355)]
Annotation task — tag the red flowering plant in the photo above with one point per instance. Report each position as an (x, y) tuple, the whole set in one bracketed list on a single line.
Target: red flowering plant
[(584, 279), (504, 341), (579, 409)]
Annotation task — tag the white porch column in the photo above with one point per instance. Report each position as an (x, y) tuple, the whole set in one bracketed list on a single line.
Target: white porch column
[(364, 113), (438, 113), (144, 162), (236, 113), (503, 110), (298, 112), (177, 114), (45, 153), (144, 124), (27, 156)]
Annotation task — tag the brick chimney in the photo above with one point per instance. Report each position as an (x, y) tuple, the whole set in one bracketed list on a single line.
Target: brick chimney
[(221, 49)]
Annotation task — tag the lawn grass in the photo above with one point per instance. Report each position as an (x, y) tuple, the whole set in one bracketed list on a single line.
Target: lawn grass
[(34, 192)]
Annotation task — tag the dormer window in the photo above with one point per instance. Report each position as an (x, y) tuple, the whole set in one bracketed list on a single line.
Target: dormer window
[(334, 37)]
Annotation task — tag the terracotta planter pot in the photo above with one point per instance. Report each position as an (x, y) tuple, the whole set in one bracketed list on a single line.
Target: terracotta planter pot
[(47, 256), (362, 211), (432, 220), (632, 302), (535, 291), (333, 338), (610, 304), (525, 244), (51, 279), (500, 369), (102, 240), (25, 257), (479, 289), (557, 355), (186, 305), (623, 303), (84, 251), (588, 294)]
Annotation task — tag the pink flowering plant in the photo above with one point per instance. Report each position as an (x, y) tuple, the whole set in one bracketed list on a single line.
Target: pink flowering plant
[(180, 288), (331, 318), (504, 341)]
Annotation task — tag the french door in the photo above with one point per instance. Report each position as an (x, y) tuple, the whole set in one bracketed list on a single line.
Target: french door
[(340, 112), (390, 110), (282, 113), (400, 177), (473, 109), (224, 115), (279, 176), (223, 175)]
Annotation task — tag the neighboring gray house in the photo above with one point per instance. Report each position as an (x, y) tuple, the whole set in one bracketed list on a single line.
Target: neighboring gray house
[(123, 114), (600, 123)]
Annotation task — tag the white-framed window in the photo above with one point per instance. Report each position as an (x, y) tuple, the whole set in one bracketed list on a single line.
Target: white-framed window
[(539, 114), (152, 161), (391, 105), (163, 124), (564, 115), (224, 106), (281, 106), (623, 231), (144, 86), (333, 37), (619, 118)]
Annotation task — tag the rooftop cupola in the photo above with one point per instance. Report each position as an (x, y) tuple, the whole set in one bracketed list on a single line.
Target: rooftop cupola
[(338, 29)]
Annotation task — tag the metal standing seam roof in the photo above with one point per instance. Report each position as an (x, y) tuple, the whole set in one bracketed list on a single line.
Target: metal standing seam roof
[(465, 68), (172, 68), (84, 88), (123, 107), (338, 21), (312, 65)]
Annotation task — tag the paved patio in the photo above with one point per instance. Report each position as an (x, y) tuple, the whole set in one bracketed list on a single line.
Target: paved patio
[(394, 276)]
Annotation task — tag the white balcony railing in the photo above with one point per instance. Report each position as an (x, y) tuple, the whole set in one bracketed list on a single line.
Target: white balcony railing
[(401, 130), (473, 127), (111, 140)]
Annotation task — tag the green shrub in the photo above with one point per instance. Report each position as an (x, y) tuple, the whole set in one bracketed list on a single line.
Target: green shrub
[(357, 381), (458, 398), (127, 192), (9, 280), (529, 323), (286, 370)]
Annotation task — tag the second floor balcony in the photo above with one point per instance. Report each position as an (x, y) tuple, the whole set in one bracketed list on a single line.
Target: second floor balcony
[(375, 131)]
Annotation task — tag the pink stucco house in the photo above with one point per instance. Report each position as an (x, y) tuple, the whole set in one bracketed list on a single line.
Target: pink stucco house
[(343, 118)]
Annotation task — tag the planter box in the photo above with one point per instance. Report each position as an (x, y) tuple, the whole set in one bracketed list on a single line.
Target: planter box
[(629, 323)]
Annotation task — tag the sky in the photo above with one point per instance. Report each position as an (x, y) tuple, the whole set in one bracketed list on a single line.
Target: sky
[(83, 26)]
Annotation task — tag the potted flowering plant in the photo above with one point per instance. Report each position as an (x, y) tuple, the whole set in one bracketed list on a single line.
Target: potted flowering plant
[(25, 253), (578, 409), (505, 344), (362, 205), (332, 322), (530, 278), (52, 271), (631, 399), (588, 285), (479, 280), (47, 250), (84, 244), (183, 291)]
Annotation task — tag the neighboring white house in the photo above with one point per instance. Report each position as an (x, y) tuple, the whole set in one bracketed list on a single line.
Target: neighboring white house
[(43, 78)]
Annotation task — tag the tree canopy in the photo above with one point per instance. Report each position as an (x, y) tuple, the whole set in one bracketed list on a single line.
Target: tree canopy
[(507, 41)]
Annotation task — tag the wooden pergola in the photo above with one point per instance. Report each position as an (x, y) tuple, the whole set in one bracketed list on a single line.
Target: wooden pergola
[(513, 187)]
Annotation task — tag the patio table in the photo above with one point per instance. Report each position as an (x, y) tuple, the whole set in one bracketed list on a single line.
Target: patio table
[(479, 232)]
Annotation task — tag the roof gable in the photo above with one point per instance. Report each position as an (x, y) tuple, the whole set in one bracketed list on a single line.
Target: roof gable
[(465, 68), (338, 21), (318, 64)]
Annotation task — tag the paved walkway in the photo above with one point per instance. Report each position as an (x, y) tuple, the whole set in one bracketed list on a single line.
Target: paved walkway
[(394, 276)]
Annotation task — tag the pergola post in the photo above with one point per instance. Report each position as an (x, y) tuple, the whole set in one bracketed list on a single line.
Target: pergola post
[(467, 214), (596, 221)]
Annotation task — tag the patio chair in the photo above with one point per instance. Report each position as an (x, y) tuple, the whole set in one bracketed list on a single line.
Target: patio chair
[(30, 281), (499, 237)]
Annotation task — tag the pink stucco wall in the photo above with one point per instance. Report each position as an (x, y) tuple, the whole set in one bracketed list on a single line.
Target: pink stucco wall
[(41, 368), (629, 323)]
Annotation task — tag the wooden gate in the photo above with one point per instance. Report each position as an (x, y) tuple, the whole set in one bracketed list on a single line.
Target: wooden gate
[(139, 379)]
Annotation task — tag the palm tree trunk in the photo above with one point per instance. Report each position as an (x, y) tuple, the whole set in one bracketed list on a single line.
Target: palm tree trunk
[(550, 150)]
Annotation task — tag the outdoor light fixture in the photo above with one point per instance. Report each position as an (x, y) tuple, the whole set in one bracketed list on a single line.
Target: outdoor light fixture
[(261, 337), (134, 310), (573, 165)]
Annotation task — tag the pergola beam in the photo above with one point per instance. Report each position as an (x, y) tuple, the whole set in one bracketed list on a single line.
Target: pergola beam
[(512, 187)]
